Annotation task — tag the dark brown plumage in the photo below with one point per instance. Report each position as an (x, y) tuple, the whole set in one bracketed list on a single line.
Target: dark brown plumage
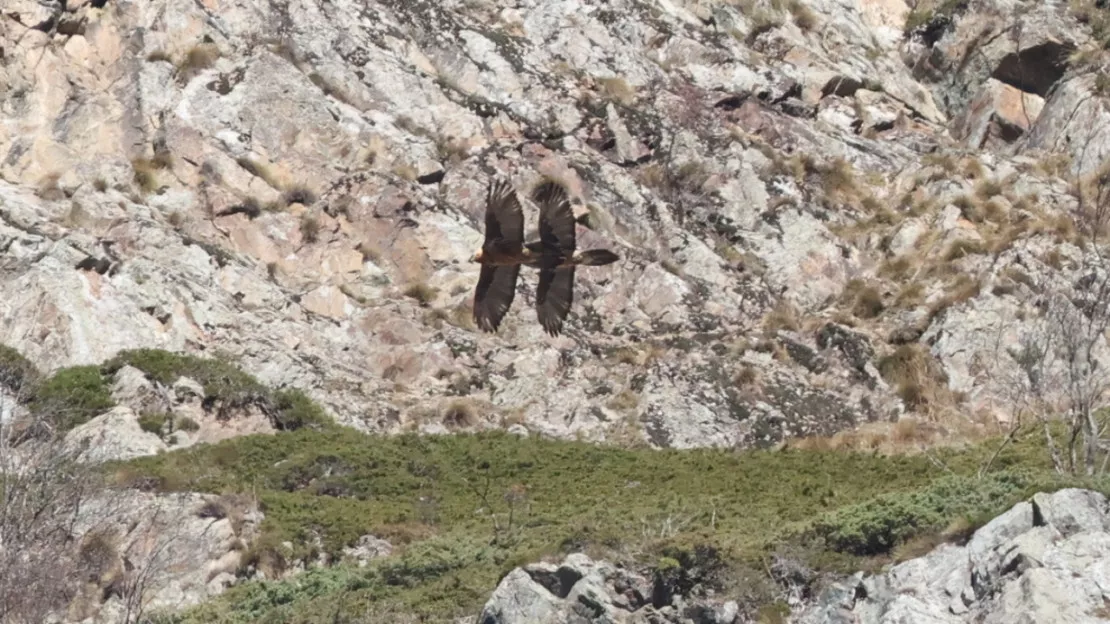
[(504, 251), (499, 257)]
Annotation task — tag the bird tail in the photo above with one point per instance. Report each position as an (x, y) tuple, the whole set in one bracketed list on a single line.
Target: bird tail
[(595, 257)]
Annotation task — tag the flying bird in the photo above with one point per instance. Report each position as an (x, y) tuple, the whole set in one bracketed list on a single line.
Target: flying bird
[(504, 251)]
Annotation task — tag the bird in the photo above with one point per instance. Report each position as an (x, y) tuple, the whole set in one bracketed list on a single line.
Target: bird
[(554, 254)]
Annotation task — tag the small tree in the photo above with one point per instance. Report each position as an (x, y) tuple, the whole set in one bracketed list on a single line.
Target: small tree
[(43, 492), (1064, 359)]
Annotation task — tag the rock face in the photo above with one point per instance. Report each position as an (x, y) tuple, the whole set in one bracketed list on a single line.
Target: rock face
[(585, 591), (299, 185), (1043, 561)]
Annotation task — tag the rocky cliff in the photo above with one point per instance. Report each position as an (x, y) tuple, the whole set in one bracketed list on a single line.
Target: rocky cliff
[(835, 218), (299, 185)]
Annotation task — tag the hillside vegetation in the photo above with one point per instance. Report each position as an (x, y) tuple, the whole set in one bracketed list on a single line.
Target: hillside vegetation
[(467, 508)]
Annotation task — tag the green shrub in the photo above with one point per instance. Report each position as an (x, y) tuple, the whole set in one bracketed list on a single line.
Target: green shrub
[(876, 526), (72, 396), (16, 371), (223, 381), (294, 410), (323, 489), (225, 386), (184, 423), (154, 423), (432, 559)]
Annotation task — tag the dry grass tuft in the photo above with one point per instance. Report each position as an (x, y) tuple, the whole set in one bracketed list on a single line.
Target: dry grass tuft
[(145, 174), (963, 247), (421, 292), (618, 90), (48, 188), (459, 414), (259, 170), (907, 436), (961, 289), (910, 296), (783, 316), (988, 188), (746, 377), (804, 17), (196, 60), (623, 401), (916, 376), (299, 195), (973, 168), (865, 299)]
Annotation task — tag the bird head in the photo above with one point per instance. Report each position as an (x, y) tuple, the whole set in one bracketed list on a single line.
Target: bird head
[(477, 257)]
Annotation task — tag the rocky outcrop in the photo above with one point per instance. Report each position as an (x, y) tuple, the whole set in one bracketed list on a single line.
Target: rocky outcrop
[(583, 590), (159, 552), (1042, 561)]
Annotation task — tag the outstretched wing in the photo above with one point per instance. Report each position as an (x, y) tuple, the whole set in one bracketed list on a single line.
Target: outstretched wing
[(504, 218), (555, 292), (554, 295), (494, 295), (556, 219)]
